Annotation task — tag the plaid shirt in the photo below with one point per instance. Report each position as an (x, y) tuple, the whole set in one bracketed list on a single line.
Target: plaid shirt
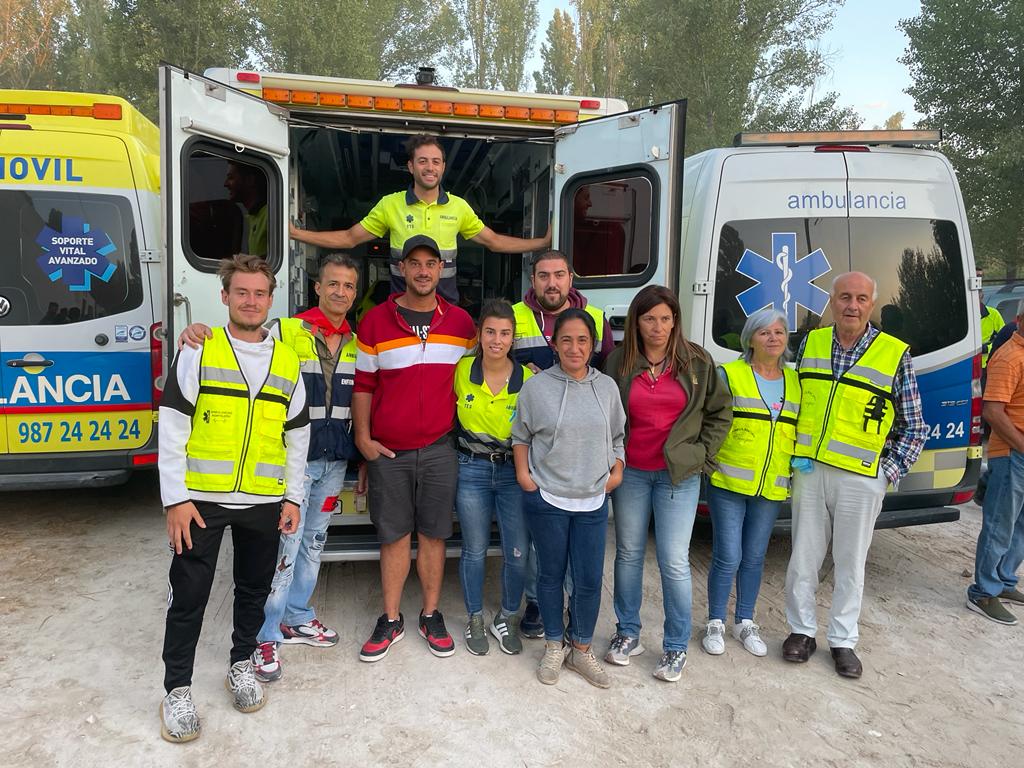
[(909, 431)]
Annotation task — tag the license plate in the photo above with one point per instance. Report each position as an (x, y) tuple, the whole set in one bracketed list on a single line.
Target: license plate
[(110, 430)]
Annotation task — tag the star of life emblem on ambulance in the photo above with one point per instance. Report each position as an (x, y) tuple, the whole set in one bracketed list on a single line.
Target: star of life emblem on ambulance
[(783, 281), (76, 254)]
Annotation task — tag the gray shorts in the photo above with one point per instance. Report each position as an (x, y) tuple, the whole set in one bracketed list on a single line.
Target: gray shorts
[(415, 491)]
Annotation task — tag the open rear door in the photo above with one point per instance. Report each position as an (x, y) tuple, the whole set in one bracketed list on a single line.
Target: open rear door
[(224, 170), (618, 186)]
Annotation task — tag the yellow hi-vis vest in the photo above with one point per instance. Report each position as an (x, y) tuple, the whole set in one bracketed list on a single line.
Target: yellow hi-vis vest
[(530, 346), (754, 459), (237, 442), (844, 422)]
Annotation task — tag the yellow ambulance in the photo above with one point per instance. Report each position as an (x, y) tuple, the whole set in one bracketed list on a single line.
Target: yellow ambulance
[(80, 342)]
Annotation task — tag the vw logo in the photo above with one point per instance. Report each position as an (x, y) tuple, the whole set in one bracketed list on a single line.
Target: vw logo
[(5, 306)]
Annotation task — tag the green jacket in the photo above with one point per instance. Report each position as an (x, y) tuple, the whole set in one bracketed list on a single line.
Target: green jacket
[(704, 423)]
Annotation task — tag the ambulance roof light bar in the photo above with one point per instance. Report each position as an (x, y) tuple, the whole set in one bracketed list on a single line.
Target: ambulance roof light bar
[(810, 138)]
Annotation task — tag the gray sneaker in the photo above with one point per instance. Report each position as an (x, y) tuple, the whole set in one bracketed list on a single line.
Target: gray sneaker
[(506, 630), (476, 635), (1012, 595), (621, 648), (551, 662), (670, 668), (588, 667), (247, 692), (178, 718), (992, 609)]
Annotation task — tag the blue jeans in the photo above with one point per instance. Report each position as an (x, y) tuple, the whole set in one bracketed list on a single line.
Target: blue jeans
[(567, 540), (487, 491), (742, 526), (298, 556), (674, 507), (1001, 541)]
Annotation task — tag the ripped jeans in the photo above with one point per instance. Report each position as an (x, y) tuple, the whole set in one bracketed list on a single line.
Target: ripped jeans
[(487, 491), (298, 556)]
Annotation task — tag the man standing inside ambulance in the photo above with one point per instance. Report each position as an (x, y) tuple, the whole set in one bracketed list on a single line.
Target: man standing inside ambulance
[(234, 431), (860, 429), (425, 208)]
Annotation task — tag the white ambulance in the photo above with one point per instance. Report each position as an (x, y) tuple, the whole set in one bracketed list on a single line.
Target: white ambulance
[(626, 208)]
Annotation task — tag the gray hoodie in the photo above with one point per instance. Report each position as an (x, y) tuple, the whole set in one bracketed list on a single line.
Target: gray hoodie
[(575, 431)]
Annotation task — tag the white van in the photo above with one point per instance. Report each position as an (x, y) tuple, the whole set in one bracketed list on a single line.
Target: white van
[(625, 206)]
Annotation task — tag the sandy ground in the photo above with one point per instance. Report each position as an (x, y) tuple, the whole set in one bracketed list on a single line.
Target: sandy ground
[(81, 624)]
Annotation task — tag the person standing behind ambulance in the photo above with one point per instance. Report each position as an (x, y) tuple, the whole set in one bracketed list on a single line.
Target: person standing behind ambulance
[(234, 431), (425, 208), (487, 389), (752, 477)]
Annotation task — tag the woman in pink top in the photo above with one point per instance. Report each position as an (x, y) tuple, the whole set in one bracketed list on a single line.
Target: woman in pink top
[(677, 415)]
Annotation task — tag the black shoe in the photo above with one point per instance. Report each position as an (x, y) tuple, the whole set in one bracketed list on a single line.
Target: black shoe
[(385, 633), (847, 663), (531, 625), (798, 648)]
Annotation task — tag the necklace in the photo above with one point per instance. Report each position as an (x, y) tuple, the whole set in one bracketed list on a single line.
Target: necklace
[(654, 366)]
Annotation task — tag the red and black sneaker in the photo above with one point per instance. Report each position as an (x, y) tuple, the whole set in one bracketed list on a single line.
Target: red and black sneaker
[(384, 634), (433, 630)]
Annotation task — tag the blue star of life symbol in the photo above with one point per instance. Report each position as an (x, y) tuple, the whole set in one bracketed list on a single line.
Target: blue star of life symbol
[(783, 281), (469, 397), (409, 218), (76, 254)]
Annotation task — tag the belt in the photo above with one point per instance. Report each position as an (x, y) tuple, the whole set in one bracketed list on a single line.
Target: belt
[(495, 457)]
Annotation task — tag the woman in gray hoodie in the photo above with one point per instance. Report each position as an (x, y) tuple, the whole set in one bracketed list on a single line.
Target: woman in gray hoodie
[(568, 442)]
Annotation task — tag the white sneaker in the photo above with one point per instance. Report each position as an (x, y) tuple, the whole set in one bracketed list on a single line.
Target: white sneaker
[(713, 641), (247, 694), (747, 632), (621, 648), (178, 718)]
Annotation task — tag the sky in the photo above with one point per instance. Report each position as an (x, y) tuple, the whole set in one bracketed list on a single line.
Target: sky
[(863, 46)]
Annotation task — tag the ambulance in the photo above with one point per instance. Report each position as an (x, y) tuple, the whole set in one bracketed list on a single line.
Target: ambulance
[(80, 342), (622, 202)]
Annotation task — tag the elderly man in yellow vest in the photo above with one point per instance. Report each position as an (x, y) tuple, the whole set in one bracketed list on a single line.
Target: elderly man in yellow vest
[(234, 431), (860, 429)]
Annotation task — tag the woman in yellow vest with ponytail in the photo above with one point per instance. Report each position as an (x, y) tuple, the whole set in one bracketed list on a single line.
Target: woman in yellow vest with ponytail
[(752, 479)]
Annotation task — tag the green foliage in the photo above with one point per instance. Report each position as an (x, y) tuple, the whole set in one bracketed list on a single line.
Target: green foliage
[(968, 80), (28, 31), (558, 52), (495, 41)]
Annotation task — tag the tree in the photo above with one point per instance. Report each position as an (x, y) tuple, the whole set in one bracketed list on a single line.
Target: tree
[(498, 37), (384, 40), (28, 41), (965, 63), (558, 53), (895, 121), (740, 63)]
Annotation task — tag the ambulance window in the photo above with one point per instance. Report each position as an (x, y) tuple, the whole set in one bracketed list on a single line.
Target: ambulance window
[(66, 257), (230, 206), (610, 226), (919, 268), (785, 263)]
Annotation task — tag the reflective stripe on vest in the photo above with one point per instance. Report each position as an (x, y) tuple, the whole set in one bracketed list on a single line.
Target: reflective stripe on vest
[(530, 346), (844, 422), (237, 441), (754, 458)]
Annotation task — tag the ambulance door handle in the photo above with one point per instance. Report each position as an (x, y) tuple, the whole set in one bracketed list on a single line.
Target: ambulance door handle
[(23, 363), (178, 301)]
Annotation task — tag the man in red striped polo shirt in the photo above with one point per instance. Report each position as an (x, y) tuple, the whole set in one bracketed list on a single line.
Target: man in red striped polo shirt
[(403, 410)]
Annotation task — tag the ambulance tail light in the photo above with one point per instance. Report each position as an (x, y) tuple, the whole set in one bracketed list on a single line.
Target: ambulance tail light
[(962, 497), (106, 111), (842, 148), (590, 103), (248, 77), (976, 401), (144, 459), (156, 362)]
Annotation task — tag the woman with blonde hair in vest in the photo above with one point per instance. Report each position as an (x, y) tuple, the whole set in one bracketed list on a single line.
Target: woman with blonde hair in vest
[(752, 478)]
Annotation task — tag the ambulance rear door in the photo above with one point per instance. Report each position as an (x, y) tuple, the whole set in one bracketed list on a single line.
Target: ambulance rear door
[(224, 166), (618, 183)]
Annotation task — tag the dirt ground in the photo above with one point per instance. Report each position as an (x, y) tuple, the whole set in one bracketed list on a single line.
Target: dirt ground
[(82, 598)]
